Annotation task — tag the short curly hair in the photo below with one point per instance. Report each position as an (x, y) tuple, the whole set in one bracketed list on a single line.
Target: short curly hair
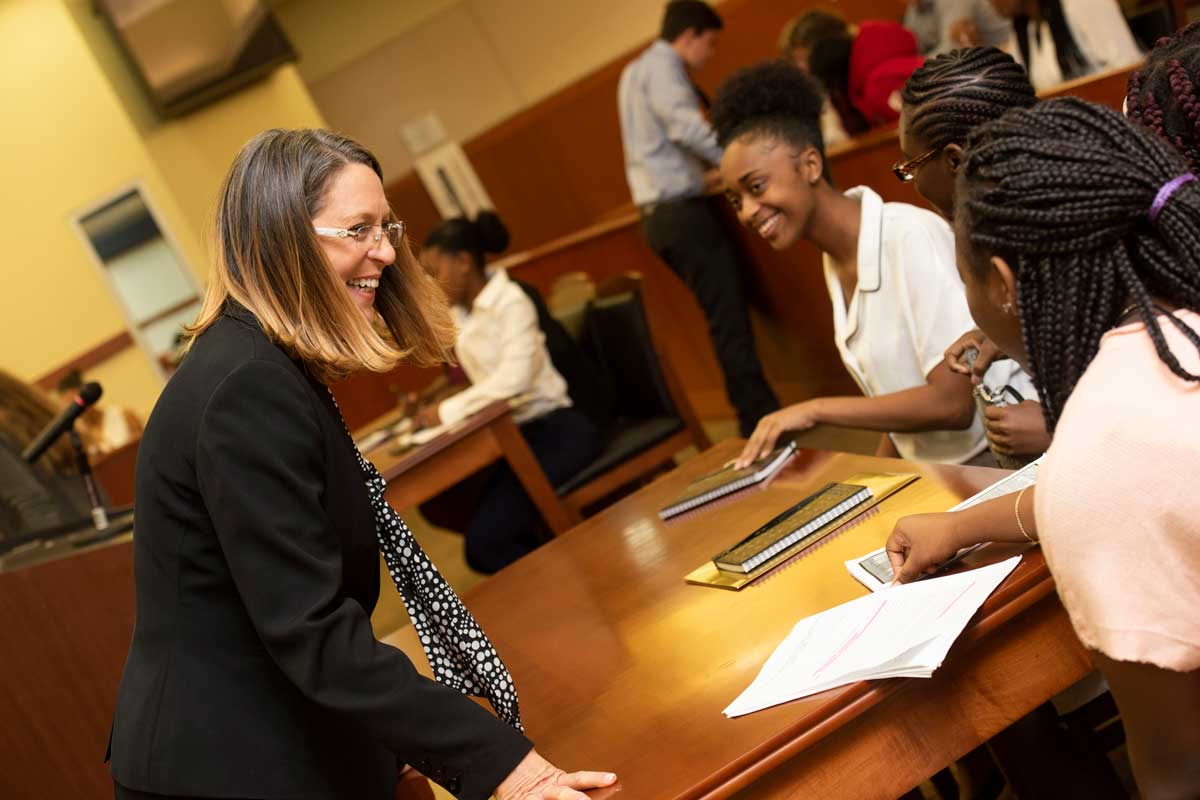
[(774, 98)]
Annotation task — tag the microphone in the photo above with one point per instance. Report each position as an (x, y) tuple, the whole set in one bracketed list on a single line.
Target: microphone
[(88, 395)]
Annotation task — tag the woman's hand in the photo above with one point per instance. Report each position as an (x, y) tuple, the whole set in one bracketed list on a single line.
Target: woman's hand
[(956, 355), (427, 417), (963, 33), (1017, 430), (535, 778), (410, 404), (921, 543), (799, 417)]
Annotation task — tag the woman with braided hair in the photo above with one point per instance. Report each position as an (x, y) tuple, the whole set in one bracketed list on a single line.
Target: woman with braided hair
[(1162, 95), (944, 100), (1078, 236)]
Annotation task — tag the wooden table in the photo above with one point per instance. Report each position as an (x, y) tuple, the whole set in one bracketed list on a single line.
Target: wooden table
[(418, 474), (623, 666)]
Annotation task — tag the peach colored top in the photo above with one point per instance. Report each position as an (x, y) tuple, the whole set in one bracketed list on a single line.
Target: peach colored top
[(1118, 504)]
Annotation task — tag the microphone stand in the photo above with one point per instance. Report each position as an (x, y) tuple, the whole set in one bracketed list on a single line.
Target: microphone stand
[(99, 515)]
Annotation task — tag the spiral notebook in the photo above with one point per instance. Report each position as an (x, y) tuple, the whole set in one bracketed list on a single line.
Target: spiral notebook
[(728, 480), (799, 526)]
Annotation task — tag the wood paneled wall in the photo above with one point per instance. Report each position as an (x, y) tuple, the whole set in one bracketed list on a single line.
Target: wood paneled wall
[(789, 301), (790, 305), (557, 167)]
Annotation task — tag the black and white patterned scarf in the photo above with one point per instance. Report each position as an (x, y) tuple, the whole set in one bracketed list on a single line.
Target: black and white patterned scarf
[(458, 650)]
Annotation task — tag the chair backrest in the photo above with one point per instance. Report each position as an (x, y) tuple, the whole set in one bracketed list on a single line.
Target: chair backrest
[(617, 331), (572, 319), (587, 385), (571, 290)]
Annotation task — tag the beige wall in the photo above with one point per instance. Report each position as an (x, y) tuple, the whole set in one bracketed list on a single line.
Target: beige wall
[(474, 62), (77, 129), (65, 144)]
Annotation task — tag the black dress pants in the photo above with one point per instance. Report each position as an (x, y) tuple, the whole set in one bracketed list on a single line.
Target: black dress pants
[(504, 526), (122, 793), (689, 237)]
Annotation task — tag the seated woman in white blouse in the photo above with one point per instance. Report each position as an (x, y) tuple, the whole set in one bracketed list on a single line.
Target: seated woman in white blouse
[(503, 352), (1060, 40)]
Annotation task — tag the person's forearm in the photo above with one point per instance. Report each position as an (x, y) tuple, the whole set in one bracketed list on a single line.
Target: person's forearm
[(996, 520), (886, 448), (922, 408)]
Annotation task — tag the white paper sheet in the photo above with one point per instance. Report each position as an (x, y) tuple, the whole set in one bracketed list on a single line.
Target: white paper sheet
[(905, 631)]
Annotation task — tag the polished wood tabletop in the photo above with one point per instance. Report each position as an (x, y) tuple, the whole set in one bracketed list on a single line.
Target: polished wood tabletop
[(623, 666), (417, 474)]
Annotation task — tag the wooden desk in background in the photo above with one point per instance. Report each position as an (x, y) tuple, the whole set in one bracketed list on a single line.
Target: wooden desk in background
[(622, 666), (423, 472)]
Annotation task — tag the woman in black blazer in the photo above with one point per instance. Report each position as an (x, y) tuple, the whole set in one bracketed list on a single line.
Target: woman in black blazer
[(253, 671)]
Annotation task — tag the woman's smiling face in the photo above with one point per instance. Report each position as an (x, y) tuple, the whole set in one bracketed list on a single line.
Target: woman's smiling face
[(355, 197), (772, 184)]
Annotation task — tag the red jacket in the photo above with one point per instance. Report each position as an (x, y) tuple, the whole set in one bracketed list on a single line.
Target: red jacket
[(882, 57)]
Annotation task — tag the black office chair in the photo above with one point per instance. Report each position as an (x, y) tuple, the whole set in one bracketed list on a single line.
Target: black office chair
[(654, 420), (587, 385)]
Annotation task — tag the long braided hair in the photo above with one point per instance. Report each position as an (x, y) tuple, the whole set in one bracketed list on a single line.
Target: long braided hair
[(954, 93), (1062, 191), (1162, 96)]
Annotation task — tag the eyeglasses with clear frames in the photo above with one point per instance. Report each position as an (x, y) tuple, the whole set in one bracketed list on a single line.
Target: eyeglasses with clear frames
[(370, 235), (905, 171)]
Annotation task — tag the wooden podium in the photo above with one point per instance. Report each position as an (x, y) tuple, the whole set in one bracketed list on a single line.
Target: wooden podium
[(65, 627)]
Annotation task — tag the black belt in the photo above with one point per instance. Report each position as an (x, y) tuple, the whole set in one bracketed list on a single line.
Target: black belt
[(649, 208)]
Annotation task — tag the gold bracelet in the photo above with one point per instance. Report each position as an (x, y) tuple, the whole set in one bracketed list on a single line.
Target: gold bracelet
[(1017, 511)]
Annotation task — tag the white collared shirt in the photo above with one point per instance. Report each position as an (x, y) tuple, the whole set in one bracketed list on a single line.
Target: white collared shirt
[(908, 307), (503, 352)]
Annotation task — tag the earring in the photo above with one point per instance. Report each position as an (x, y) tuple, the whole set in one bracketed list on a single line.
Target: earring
[(1008, 308)]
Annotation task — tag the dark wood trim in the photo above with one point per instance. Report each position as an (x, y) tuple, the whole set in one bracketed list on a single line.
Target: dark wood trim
[(1179, 13), (168, 311), (87, 359)]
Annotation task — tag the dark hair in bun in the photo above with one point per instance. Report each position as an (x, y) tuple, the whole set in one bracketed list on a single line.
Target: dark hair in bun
[(478, 237), (773, 97)]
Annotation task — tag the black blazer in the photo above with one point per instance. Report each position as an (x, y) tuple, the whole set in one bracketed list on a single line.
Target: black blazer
[(253, 670)]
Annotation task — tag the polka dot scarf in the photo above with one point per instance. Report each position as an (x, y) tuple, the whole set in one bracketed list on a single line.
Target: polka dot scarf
[(458, 650)]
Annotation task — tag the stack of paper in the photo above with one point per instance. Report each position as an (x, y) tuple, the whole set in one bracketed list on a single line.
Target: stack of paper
[(905, 631)]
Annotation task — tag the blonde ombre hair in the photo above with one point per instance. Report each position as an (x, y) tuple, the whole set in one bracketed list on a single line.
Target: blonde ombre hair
[(268, 259)]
